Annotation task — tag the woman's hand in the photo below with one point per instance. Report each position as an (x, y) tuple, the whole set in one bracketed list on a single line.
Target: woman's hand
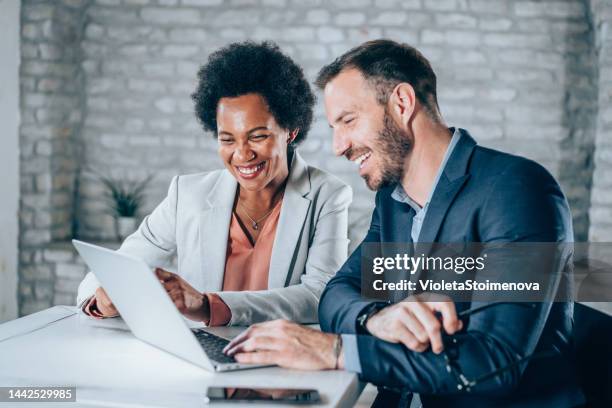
[(101, 306), (191, 303)]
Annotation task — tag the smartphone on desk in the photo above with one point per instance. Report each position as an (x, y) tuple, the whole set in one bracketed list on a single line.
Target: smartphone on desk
[(264, 395)]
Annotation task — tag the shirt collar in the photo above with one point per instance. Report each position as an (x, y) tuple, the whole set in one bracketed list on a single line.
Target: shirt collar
[(400, 195)]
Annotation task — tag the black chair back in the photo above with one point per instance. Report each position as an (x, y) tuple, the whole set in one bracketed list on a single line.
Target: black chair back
[(593, 345)]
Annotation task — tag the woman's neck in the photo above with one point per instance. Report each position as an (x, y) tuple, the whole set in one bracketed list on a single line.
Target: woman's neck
[(262, 199)]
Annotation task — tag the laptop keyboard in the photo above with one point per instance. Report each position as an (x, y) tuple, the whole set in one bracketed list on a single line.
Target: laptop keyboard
[(213, 346)]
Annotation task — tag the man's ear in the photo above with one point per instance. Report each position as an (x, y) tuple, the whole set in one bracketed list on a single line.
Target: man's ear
[(292, 135), (402, 102)]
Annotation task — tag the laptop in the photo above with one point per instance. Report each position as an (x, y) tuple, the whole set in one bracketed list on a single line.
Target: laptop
[(149, 312)]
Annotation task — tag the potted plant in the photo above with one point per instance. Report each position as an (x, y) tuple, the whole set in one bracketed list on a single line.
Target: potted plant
[(126, 198)]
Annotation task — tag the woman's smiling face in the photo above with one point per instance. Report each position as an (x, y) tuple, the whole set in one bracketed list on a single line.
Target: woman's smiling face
[(252, 145)]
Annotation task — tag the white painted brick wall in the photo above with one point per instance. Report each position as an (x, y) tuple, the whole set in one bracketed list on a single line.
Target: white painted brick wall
[(106, 86), (601, 193)]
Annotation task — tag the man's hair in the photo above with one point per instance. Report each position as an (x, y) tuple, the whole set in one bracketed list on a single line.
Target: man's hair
[(261, 68), (384, 64)]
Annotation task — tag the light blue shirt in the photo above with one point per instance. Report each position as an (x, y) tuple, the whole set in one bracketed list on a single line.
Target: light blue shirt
[(349, 341)]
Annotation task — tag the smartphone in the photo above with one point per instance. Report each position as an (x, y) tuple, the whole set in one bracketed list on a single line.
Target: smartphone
[(265, 395)]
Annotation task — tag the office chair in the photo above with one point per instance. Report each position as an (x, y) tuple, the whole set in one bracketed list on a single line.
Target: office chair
[(593, 347)]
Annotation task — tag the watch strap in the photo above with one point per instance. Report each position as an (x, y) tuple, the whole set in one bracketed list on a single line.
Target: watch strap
[(368, 312)]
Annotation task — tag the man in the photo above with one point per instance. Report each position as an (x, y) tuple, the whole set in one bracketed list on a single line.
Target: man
[(434, 185)]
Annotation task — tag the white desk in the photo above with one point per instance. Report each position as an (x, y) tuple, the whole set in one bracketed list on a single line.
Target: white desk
[(110, 367)]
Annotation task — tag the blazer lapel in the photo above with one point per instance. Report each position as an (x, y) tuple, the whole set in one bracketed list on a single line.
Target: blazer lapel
[(451, 181), (442, 199), (214, 231), (291, 221), (453, 178)]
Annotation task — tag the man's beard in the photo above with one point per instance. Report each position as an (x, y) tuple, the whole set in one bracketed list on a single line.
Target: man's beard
[(392, 145)]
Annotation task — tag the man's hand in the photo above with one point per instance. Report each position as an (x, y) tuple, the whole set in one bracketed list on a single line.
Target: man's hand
[(413, 322), (191, 303), (286, 344), (101, 305)]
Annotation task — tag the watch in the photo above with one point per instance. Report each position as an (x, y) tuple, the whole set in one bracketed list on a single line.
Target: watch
[(368, 312)]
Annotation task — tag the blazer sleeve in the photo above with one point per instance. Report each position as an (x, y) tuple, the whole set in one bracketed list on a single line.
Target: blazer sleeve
[(341, 302), (525, 204), (154, 241), (327, 250)]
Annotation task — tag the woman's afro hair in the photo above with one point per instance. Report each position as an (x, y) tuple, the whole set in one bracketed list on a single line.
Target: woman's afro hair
[(261, 68)]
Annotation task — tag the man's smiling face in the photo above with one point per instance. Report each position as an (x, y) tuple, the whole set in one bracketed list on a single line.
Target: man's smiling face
[(363, 130)]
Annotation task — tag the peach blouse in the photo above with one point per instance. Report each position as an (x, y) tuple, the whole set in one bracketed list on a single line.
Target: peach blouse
[(246, 265)]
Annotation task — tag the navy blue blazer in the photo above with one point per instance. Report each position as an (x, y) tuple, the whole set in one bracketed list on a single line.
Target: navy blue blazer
[(483, 195)]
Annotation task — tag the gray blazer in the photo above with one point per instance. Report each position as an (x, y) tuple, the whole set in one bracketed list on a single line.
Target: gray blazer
[(192, 222)]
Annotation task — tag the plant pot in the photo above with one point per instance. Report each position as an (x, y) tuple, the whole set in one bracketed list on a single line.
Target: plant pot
[(125, 226)]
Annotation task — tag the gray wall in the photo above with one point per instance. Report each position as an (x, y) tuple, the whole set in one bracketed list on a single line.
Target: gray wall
[(518, 74), (52, 112), (9, 156), (106, 86), (601, 208)]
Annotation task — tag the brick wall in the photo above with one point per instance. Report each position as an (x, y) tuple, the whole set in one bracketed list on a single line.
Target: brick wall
[(522, 76), (601, 196), (600, 213), (518, 74), (52, 111)]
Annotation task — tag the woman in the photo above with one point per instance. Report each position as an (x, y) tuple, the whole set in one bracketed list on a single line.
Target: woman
[(259, 239)]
